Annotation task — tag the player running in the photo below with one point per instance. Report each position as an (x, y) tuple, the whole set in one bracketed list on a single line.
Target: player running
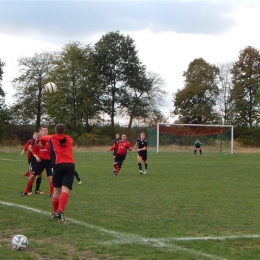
[(141, 147), (121, 150), (117, 139)]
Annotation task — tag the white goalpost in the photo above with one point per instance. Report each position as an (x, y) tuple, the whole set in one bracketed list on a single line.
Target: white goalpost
[(215, 138)]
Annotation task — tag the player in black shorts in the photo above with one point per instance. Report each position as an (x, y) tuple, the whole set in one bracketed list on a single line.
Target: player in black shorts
[(197, 147), (141, 147), (117, 139)]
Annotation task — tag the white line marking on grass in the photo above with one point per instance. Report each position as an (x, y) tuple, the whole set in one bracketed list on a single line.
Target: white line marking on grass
[(123, 238), (12, 160)]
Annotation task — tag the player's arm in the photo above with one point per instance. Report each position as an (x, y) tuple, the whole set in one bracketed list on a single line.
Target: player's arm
[(30, 148), (35, 150), (129, 147), (114, 147), (25, 148), (143, 149), (136, 145)]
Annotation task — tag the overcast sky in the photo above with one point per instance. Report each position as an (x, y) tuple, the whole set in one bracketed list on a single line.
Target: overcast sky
[(168, 34)]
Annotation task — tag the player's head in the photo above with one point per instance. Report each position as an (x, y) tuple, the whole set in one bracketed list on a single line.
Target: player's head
[(60, 129), (40, 132), (142, 135), (35, 135), (123, 137), (117, 135), (44, 130)]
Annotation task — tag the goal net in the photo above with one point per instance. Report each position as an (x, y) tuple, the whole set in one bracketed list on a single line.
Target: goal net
[(181, 138)]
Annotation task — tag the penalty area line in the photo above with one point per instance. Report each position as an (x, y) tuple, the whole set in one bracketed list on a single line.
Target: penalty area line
[(124, 238)]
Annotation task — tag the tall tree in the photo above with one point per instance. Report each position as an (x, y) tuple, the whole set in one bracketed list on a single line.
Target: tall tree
[(195, 103), (225, 87), (2, 94), (116, 58), (4, 111), (246, 81), (143, 97), (78, 87), (29, 107)]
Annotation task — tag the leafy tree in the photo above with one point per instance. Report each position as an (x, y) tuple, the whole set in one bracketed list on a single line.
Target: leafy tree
[(195, 103), (116, 58), (2, 94), (78, 87), (225, 87), (4, 111), (246, 81), (143, 97), (29, 107)]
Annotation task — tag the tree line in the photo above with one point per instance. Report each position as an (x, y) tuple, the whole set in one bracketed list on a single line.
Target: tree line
[(99, 83)]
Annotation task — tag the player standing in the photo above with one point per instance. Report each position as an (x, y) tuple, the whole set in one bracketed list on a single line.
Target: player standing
[(141, 147), (29, 148), (41, 152), (31, 159), (64, 170), (121, 150), (197, 146)]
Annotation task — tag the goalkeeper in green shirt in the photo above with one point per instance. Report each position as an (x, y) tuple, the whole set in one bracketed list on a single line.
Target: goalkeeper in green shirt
[(197, 147)]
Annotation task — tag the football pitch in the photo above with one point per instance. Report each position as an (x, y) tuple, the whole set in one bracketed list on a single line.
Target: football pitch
[(186, 207)]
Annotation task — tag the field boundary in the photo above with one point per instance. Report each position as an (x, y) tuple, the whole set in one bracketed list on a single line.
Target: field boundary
[(163, 243)]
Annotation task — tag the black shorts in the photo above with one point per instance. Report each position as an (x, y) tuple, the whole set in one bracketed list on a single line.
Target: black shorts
[(143, 155), (119, 158), (63, 175), (32, 163), (40, 166)]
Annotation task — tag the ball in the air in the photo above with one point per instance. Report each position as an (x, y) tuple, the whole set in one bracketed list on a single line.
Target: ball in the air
[(19, 242), (50, 87)]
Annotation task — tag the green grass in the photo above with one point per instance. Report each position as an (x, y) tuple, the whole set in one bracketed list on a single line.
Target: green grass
[(160, 215)]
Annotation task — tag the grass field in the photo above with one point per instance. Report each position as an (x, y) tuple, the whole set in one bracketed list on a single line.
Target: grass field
[(185, 208)]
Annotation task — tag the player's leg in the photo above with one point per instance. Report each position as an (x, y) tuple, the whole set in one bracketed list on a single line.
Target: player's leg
[(30, 172), (120, 159), (144, 158), (200, 151), (57, 183), (139, 163), (67, 182), (49, 171), (116, 161), (38, 184), (78, 177), (37, 170), (28, 186), (55, 201)]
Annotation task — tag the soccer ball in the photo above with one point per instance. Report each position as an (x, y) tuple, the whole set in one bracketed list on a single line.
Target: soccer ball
[(51, 87), (19, 242)]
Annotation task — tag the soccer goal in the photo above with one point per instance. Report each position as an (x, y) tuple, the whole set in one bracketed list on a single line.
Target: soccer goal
[(181, 137)]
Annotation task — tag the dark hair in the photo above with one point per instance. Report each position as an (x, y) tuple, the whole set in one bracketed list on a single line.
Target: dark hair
[(60, 129)]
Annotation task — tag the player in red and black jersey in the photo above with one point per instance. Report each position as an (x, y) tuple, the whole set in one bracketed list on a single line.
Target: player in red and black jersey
[(117, 139), (64, 170), (31, 160), (29, 148), (41, 152), (141, 147), (121, 150)]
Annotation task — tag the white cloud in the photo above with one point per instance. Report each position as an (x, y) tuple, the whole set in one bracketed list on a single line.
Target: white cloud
[(168, 35)]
